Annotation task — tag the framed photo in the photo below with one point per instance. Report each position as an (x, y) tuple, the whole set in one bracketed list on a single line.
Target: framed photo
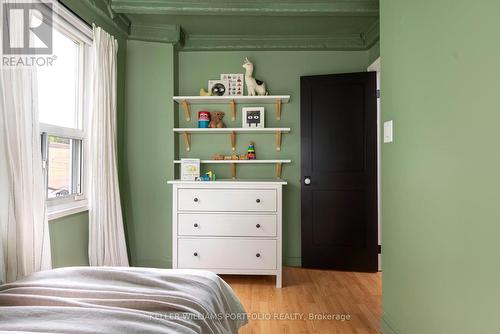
[(253, 117), (218, 87), (190, 169)]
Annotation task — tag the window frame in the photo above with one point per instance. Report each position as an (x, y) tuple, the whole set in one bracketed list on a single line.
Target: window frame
[(73, 27)]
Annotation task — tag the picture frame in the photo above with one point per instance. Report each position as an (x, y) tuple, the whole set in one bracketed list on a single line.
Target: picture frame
[(190, 169), (236, 83), (253, 117)]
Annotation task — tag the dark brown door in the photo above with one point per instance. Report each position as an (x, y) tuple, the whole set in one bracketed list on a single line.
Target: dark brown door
[(339, 171)]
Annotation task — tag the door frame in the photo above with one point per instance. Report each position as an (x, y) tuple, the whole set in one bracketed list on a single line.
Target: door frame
[(376, 67)]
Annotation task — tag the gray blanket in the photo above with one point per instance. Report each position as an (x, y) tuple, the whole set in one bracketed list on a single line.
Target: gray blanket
[(120, 300)]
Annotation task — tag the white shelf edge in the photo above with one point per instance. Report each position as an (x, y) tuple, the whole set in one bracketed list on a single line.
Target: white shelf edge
[(236, 99), (227, 130), (241, 161), (280, 181)]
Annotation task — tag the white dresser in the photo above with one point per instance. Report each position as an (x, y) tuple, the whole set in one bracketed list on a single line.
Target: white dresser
[(228, 227)]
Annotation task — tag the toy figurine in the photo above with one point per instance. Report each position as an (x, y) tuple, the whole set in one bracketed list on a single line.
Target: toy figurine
[(254, 86), (251, 151), (208, 176), (205, 93), (217, 156), (216, 120)]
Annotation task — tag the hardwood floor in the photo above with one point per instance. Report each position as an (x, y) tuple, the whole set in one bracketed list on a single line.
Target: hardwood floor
[(308, 292)]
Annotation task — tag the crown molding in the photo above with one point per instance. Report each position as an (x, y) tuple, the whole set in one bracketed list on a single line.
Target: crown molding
[(276, 42), (372, 35), (102, 8), (228, 7), (163, 33)]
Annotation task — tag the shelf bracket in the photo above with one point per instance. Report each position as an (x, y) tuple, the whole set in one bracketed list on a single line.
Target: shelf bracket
[(187, 112), (279, 168), (233, 170), (278, 109), (232, 136), (278, 140), (187, 143), (233, 110)]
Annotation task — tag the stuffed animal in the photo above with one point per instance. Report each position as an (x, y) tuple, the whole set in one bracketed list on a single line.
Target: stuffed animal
[(216, 120), (254, 86)]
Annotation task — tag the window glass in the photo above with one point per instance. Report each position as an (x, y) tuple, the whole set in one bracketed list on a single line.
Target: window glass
[(58, 84), (63, 162)]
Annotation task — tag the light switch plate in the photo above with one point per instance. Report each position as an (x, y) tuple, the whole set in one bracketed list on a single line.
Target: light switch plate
[(388, 132)]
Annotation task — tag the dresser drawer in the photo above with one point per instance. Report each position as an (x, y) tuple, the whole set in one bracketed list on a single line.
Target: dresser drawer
[(227, 200), (226, 254), (235, 225)]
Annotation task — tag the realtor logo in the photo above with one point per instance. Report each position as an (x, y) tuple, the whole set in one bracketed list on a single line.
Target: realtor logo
[(27, 28)]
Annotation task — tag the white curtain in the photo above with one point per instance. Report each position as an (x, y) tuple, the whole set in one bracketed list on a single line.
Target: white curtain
[(24, 232), (106, 235)]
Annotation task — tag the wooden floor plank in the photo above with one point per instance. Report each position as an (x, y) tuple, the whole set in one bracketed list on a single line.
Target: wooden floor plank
[(309, 294)]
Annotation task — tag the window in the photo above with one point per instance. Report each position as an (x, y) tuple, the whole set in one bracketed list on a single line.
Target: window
[(63, 97)]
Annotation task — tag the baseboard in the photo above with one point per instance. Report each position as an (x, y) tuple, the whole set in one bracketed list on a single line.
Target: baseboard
[(386, 327), (293, 262)]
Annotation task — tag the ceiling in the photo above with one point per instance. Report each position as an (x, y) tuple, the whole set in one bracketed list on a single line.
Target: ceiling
[(240, 25)]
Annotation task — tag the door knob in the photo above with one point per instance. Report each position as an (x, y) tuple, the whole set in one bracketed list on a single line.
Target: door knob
[(307, 180)]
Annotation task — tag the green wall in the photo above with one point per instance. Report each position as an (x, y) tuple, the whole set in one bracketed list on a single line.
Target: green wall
[(69, 238), (441, 212), (69, 235), (149, 151), (150, 143)]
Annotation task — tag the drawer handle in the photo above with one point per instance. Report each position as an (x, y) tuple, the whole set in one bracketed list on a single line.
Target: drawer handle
[(195, 225), (195, 254), (258, 225), (258, 254), (196, 199), (257, 200)]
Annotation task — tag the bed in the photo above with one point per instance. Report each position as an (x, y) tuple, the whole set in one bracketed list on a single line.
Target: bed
[(120, 300)]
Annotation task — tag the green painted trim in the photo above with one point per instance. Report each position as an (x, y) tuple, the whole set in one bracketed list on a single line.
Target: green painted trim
[(270, 42), (292, 261), (164, 33), (372, 35), (386, 327), (226, 7), (102, 9)]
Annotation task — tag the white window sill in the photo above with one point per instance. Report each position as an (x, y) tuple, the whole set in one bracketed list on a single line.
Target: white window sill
[(67, 209)]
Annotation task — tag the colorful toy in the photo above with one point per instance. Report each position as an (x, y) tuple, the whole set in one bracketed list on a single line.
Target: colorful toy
[(217, 156), (251, 151), (208, 176), (205, 93), (216, 120), (203, 119)]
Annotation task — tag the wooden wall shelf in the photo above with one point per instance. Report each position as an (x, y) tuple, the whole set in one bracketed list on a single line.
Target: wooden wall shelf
[(186, 101), (186, 132)]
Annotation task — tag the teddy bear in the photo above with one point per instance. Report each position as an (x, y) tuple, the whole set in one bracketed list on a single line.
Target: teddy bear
[(216, 120)]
